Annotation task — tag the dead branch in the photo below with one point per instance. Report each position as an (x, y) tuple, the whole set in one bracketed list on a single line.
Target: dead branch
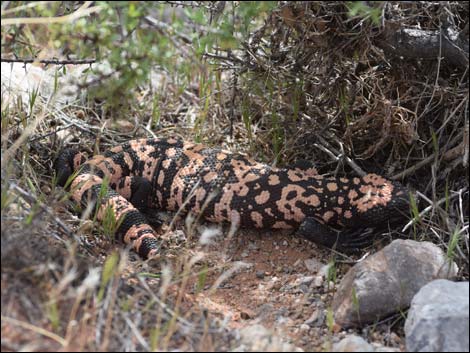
[(50, 61), (417, 43)]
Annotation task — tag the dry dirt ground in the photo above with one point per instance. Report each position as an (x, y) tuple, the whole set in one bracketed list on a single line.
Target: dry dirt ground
[(262, 277), (267, 290), (253, 277)]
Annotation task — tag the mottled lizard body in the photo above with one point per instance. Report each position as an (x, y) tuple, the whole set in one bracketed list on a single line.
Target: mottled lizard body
[(170, 174)]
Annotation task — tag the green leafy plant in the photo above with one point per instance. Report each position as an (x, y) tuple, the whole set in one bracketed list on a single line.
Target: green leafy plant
[(359, 8)]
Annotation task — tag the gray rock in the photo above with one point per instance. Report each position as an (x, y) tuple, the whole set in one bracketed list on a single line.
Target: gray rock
[(313, 265), (386, 282), (438, 318), (321, 275), (324, 270), (353, 343), (381, 348), (316, 319), (257, 338), (307, 280)]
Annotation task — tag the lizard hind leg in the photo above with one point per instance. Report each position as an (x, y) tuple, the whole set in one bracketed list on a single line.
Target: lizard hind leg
[(132, 226), (140, 193), (347, 241), (314, 231), (135, 189)]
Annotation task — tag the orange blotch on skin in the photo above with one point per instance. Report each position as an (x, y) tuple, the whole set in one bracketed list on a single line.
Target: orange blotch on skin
[(210, 176), (257, 218), (138, 242), (327, 216), (221, 156), (128, 160), (262, 198), (281, 225), (375, 180), (78, 160), (83, 183), (171, 152), (332, 186), (352, 194), (125, 191), (289, 207), (161, 178), (273, 179), (374, 196), (116, 149)]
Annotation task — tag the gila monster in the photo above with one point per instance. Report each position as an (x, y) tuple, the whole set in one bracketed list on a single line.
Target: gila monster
[(171, 174)]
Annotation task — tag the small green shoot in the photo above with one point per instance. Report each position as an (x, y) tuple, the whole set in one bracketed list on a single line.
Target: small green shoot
[(297, 96), (109, 222), (414, 212), (53, 314), (156, 111), (7, 197), (33, 212), (56, 81), (155, 334), (33, 95), (201, 280), (104, 187), (71, 178), (446, 195), (31, 186), (453, 242), (330, 321), (332, 273), (109, 268), (149, 275), (126, 305)]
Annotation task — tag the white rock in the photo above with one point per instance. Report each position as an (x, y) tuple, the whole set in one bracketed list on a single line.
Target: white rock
[(353, 343), (438, 319)]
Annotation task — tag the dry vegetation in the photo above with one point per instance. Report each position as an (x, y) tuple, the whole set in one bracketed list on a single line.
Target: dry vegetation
[(320, 81)]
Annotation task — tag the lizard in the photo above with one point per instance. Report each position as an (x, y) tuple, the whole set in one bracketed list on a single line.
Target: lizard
[(172, 174)]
